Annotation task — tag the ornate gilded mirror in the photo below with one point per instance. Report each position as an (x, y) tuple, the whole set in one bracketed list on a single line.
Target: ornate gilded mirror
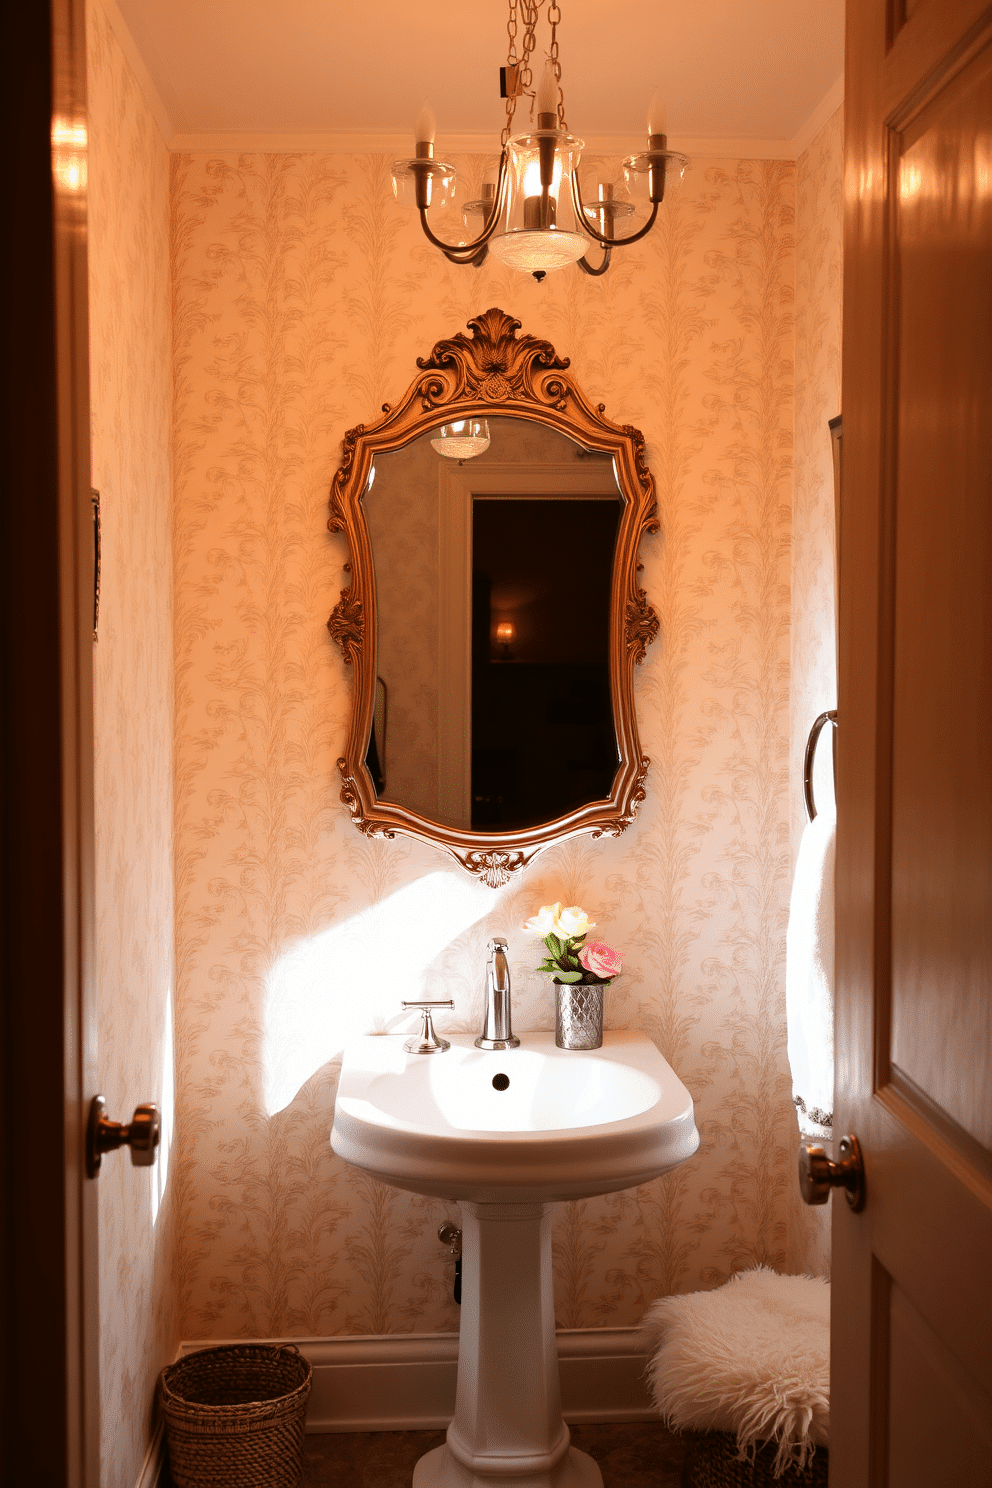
[(494, 616)]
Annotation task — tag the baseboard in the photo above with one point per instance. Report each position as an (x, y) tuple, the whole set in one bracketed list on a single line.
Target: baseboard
[(151, 1469), (406, 1381)]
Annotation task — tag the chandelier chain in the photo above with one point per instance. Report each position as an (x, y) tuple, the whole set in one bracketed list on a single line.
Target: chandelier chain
[(554, 16), (530, 12)]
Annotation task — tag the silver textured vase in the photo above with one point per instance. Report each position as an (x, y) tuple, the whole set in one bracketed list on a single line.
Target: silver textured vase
[(579, 1015)]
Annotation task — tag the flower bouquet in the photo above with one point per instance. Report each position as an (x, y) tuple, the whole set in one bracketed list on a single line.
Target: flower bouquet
[(580, 969)]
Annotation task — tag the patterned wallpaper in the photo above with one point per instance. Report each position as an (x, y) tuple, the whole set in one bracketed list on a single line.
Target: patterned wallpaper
[(819, 235), (130, 369), (302, 296), (819, 254)]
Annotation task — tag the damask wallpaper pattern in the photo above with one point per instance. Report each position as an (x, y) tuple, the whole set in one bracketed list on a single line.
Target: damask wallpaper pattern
[(131, 400), (819, 280), (302, 297)]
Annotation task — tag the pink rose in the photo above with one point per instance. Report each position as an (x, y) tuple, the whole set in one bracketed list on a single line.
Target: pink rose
[(601, 959)]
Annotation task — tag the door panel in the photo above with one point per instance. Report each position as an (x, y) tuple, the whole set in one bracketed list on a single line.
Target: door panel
[(936, 1412), (942, 747), (911, 1373)]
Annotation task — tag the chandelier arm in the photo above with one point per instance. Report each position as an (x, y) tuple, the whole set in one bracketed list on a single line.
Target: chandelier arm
[(601, 237), (469, 252), (457, 252), (477, 259), (587, 268)]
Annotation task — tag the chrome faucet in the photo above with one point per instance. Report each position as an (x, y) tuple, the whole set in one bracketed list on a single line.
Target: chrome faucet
[(496, 1031)]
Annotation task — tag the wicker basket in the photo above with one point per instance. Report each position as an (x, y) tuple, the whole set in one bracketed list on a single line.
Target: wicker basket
[(712, 1461), (234, 1416)]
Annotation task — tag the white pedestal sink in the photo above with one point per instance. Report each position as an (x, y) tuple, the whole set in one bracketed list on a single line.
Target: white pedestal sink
[(507, 1134)]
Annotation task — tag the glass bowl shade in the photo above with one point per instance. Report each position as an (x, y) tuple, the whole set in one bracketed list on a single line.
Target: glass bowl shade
[(538, 228), (439, 177), (637, 170), (462, 440), (476, 213)]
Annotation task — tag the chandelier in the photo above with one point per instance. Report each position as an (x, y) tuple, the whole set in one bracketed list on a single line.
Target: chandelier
[(533, 217)]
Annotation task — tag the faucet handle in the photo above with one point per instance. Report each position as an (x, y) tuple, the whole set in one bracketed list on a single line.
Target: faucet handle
[(427, 1042)]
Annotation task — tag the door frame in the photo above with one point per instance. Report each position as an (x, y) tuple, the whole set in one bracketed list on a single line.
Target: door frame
[(49, 1383)]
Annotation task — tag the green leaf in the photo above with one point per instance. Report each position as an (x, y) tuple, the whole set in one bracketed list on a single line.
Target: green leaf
[(554, 945), (569, 976)]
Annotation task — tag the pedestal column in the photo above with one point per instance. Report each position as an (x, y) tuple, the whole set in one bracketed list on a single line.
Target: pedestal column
[(507, 1426)]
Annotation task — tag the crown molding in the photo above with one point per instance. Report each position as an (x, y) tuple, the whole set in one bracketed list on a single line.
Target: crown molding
[(400, 145), (363, 142), (142, 76), (825, 109)]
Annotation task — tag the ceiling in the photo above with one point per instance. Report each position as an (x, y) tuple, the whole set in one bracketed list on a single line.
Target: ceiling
[(253, 69)]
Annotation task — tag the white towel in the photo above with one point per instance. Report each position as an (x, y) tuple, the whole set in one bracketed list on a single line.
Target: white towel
[(809, 978)]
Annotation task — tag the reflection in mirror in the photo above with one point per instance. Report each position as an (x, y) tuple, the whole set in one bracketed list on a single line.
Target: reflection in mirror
[(493, 579)]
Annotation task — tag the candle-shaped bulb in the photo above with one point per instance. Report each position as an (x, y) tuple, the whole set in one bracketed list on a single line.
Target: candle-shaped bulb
[(657, 123), (547, 91), (426, 126)]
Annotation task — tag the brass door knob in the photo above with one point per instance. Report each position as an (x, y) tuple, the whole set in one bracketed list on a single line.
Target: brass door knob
[(141, 1137), (818, 1173), (450, 1235)]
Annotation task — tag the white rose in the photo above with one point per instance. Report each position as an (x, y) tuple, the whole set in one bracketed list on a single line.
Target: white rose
[(572, 922), (545, 921)]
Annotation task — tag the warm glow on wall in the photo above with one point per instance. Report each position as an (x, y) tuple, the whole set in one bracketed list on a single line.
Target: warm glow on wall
[(159, 1174)]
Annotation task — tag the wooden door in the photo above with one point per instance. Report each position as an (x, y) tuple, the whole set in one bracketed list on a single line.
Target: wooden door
[(49, 1363), (911, 1376)]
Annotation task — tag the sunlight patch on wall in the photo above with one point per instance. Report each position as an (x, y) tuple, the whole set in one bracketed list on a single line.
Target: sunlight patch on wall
[(160, 1172), (351, 978)]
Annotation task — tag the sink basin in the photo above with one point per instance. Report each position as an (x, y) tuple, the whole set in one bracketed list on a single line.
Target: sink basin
[(537, 1122), (506, 1134)]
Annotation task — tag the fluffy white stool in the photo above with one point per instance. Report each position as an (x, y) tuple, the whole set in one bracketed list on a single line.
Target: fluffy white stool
[(751, 1359)]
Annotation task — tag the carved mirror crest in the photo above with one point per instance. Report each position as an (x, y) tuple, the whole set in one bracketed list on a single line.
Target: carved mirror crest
[(494, 618)]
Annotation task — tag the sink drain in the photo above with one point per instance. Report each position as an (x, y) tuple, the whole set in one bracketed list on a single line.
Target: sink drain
[(501, 1082)]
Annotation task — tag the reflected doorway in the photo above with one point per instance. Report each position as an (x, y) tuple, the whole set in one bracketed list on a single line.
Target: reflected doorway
[(543, 741)]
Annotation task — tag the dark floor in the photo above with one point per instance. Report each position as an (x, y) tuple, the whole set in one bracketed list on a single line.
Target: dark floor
[(634, 1454)]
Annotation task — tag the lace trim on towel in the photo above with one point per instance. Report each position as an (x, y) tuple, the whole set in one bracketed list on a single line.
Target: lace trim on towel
[(821, 1118)]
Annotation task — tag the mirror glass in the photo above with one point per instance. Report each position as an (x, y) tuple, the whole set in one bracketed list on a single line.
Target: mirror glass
[(493, 708)]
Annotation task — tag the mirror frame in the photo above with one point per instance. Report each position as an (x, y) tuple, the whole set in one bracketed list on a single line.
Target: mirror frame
[(495, 373)]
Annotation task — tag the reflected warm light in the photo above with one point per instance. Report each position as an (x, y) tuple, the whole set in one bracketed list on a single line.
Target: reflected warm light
[(983, 168), (69, 141), (166, 1105), (351, 978), (910, 181)]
